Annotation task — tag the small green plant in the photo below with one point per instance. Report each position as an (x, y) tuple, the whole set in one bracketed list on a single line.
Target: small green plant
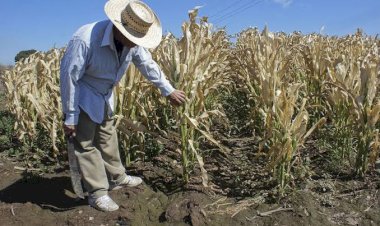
[(237, 108), (153, 147), (6, 130)]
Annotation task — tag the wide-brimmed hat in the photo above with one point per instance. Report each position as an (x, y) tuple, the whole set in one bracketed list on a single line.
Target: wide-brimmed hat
[(136, 21)]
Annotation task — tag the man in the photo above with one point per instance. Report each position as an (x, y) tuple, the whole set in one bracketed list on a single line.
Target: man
[(94, 62)]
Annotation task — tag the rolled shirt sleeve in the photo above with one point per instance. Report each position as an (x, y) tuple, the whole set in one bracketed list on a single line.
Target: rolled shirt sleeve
[(72, 69), (151, 71)]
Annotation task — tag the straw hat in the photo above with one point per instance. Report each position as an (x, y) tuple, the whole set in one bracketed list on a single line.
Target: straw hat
[(136, 21)]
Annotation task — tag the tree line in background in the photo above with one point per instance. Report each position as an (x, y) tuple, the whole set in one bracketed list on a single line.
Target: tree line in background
[(24, 54)]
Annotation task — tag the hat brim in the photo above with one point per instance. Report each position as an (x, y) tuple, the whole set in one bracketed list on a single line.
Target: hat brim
[(113, 10)]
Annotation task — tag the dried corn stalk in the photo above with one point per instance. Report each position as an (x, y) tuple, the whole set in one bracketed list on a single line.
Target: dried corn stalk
[(352, 81), (134, 111), (34, 96), (267, 65), (196, 64)]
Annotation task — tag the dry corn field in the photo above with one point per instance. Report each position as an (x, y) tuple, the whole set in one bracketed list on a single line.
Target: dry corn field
[(297, 89)]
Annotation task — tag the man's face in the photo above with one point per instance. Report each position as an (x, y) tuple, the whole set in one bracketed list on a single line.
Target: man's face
[(121, 38)]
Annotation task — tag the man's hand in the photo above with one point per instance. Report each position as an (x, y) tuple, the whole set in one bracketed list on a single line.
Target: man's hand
[(70, 130), (177, 97)]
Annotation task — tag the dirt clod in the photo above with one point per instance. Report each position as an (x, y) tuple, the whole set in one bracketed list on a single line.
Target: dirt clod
[(187, 210)]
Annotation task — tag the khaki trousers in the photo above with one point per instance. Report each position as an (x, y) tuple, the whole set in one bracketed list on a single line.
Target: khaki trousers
[(96, 146)]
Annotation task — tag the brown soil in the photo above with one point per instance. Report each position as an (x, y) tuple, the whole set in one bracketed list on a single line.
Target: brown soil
[(34, 198)]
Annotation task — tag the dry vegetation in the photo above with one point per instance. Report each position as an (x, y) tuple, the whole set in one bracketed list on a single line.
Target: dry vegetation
[(297, 88)]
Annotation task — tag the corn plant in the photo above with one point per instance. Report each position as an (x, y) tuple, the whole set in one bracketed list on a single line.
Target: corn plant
[(196, 64), (314, 51), (353, 81), (134, 110), (267, 68)]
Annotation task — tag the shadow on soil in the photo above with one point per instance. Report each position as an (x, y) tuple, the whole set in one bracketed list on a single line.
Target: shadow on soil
[(48, 193)]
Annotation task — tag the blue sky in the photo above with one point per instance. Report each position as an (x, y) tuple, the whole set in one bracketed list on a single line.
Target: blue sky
[(43, 24)]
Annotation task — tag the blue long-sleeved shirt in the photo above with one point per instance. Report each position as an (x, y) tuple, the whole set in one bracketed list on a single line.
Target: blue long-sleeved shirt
[(90, 68)]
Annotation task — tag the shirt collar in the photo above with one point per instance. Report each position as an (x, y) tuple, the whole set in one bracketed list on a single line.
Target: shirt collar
[(108, 36)]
